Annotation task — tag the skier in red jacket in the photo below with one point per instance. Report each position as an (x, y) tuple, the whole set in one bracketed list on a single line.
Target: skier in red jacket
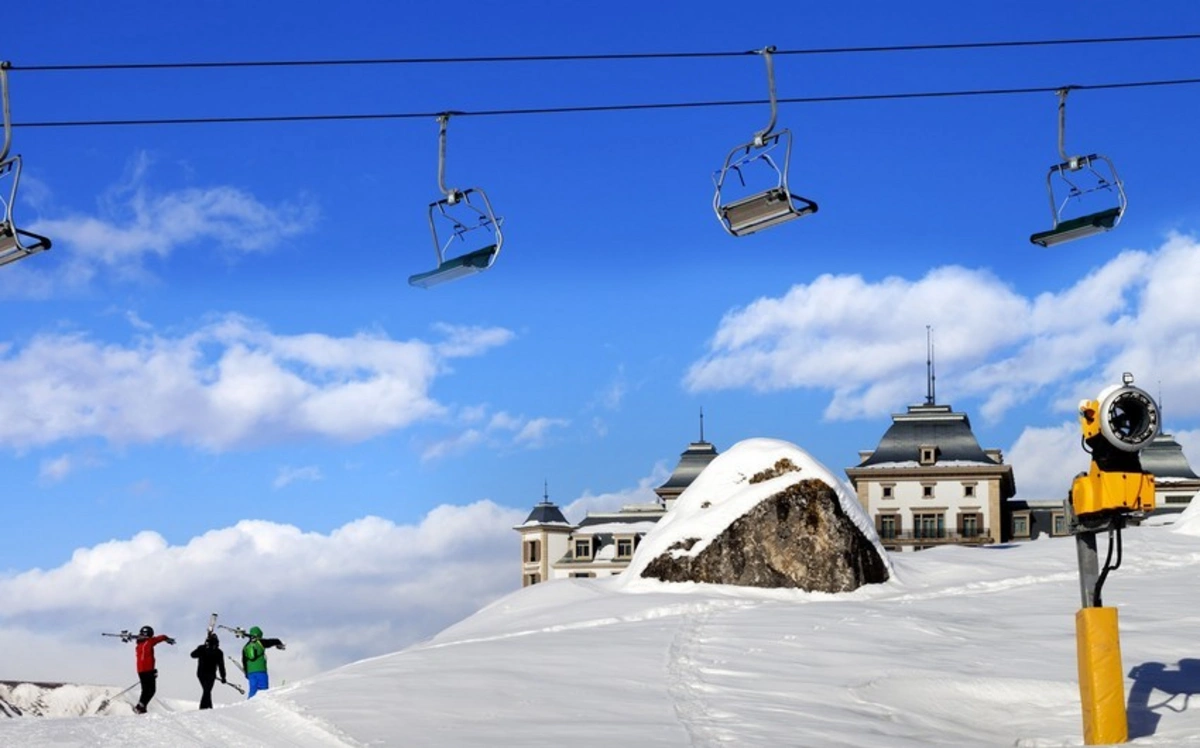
[(147, 673)]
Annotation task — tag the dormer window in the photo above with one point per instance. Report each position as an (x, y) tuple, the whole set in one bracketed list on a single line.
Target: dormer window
[(624, 547), (928, 454), (583, 548)]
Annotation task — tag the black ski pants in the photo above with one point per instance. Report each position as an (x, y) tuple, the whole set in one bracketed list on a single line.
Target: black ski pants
[(149, 681), (206, 695)]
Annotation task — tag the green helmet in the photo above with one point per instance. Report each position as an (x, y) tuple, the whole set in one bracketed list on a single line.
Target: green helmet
[(255, 632)]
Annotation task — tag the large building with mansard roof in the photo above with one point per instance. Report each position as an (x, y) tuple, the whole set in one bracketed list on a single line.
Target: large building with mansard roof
[(929, 483)]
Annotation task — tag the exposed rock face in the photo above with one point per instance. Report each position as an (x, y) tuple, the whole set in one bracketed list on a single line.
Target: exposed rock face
[(799, 537)]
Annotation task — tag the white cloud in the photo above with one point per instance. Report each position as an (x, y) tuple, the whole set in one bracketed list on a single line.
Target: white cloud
[(288, 475), (364, 589), (611, 502), (865, 342), (1190, 441), (533, 432), (231, 382), (55, 469), (135, 221), (463, 341), (502, 430), (1046, 460)]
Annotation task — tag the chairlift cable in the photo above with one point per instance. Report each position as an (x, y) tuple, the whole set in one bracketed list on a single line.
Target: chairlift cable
[(602, 108), (598, 57)]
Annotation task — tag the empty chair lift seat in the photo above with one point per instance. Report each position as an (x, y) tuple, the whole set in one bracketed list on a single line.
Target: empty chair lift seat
[(1078, 228), (456, 267), (763, 210)]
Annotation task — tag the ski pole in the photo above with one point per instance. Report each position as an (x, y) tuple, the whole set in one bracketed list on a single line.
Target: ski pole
[(104, 704)]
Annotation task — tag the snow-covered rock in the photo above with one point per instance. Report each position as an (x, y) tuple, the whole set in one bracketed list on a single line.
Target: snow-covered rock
[(765, 514)]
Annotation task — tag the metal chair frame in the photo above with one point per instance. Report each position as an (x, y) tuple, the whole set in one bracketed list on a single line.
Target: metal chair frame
[(1069, 229), (12, 246), (467, 263), (776, 204)]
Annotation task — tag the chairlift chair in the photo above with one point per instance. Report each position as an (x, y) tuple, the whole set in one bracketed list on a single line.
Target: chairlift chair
[(774, 205), (464, 211), (15, 243), (1080, 175)]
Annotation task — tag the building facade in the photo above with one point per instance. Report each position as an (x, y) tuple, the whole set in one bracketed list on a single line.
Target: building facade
[(929, 483)]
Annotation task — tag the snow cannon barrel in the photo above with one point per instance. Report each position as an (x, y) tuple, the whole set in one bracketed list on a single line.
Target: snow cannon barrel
[(1117, 426)]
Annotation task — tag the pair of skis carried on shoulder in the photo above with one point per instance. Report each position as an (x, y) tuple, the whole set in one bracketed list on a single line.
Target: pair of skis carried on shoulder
[(212, 627)]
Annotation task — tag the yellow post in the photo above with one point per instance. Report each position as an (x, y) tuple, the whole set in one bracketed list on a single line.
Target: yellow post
[(1101, 677)]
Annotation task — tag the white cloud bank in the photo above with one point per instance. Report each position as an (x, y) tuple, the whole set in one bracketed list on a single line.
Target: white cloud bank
[(231, 382), (865, 342), (367, 588)]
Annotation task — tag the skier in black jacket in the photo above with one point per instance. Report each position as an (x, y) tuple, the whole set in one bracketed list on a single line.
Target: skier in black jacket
[(210, 662)]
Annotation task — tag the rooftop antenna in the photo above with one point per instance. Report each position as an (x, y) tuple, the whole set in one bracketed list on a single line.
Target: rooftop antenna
[(931, 378), (1162, 414), (702, 424), (545, 491)]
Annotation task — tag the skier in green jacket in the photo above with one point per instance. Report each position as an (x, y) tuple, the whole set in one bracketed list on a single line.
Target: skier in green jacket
[(254, 660)]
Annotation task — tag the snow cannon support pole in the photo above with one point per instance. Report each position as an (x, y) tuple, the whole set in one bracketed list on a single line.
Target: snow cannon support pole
[(1116, 426)]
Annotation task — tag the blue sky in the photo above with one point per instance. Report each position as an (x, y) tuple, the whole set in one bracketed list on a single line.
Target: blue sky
[(224, 331)]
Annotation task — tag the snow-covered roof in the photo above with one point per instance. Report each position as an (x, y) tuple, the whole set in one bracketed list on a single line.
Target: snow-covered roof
[(639, 525), (940, 463), (929, 425)]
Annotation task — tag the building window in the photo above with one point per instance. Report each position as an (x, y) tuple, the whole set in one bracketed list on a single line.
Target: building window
[(968, 490), (1020, 525), (929, 525), (533, 551), (928, 455), (971, 525), (531, 579), (927, 490), (887, 526), (888, 492), (1177, 500), (583, 548), (582, 574), (1060, 524), (624, 547)]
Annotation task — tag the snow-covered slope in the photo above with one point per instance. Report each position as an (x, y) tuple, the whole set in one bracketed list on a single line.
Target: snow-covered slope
[(18, 699), (962, 647)]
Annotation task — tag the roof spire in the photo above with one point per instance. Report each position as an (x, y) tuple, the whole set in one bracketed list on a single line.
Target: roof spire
[(1161, 413), (545, 491), (930, 377), (701, 424)]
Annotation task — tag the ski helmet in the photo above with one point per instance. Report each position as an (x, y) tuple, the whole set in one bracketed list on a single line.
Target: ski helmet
[(255, 632), (146, 631)]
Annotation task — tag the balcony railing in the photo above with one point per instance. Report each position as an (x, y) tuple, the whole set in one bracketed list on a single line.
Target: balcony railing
[(919, 537)]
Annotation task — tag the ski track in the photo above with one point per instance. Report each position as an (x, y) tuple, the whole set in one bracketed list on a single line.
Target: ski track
[(685, 679)]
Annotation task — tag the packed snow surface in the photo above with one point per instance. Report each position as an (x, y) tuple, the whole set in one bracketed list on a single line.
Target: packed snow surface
[(961, 647)]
